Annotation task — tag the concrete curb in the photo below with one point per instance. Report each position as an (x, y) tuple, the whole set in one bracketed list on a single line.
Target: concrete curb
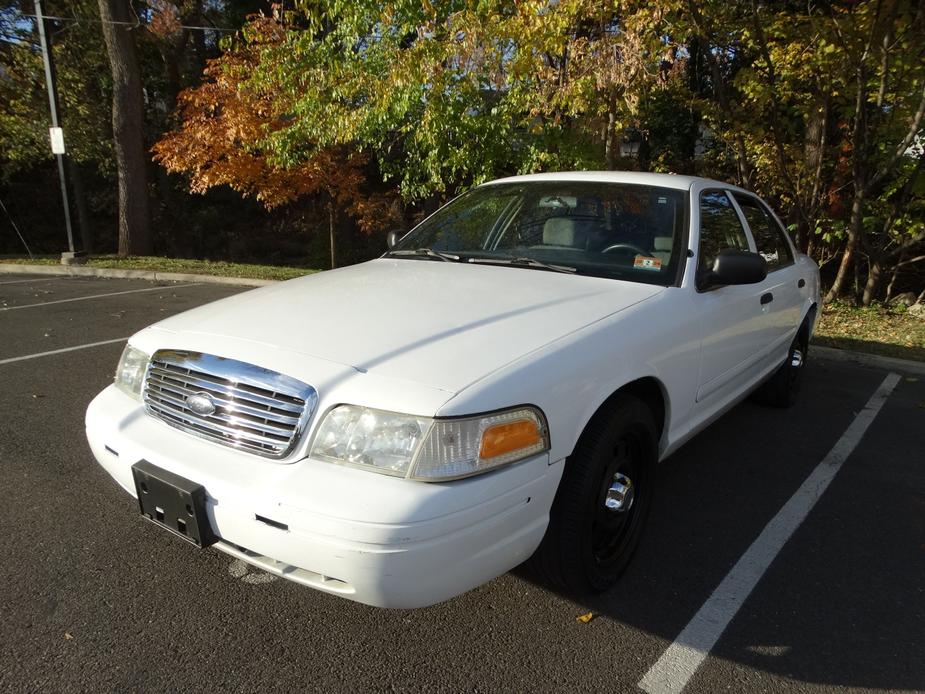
[(872, 360), (81, 271)]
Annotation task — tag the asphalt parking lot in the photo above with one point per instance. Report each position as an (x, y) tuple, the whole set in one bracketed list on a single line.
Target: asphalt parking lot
[(94, 598)]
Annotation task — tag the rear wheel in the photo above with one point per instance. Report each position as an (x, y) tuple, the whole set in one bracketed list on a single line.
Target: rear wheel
[(782, 388), (603, 500)]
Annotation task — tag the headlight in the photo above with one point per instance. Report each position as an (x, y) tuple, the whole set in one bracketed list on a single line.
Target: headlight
[(427, 449), (130, 374), (375, 439)]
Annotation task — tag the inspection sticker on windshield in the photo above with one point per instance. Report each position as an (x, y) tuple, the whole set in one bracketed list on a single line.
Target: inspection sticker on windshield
[(644, 262)]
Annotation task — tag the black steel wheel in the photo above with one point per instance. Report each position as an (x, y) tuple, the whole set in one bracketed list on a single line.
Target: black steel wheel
[(782, 388), (603, 500)]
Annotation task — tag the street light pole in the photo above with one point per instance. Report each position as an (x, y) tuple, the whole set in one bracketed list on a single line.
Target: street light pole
[(56, 134)]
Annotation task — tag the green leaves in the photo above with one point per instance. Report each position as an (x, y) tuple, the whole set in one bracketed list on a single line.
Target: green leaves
[(83, 87), (448, 94), (440, 95)]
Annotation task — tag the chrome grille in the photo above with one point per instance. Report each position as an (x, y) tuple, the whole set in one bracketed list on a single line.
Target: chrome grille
[(238, 404)]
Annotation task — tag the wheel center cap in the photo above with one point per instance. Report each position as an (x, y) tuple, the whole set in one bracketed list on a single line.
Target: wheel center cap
[(619, 497)]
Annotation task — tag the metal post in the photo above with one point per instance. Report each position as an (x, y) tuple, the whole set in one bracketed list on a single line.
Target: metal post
[(53, 106)]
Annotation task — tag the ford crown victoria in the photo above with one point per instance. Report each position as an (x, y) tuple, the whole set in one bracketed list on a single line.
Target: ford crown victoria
[(498, 387)]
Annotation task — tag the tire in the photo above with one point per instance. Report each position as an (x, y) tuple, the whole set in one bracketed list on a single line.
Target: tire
[(587, 545), (782, 388)]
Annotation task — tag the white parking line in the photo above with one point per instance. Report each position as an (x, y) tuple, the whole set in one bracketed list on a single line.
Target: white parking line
[(61, 351), (681, 660), (43, 279), (100, 296)]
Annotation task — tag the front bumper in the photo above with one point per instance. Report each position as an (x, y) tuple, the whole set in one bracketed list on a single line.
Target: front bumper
[(375, 539)]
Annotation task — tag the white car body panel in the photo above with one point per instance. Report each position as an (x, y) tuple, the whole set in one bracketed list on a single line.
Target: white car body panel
[(436, 321), (440, 339)]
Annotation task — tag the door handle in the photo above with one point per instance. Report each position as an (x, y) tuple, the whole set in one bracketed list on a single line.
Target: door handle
[(801, 283), (767, 298)]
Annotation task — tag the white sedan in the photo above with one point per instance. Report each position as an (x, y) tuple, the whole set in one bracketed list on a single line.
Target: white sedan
[(498, 387)]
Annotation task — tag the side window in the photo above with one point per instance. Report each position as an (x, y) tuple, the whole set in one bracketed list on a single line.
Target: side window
[(720, 228), (769, 237)]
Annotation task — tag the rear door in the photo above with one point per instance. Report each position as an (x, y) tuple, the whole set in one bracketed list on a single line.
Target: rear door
[(780, 290)]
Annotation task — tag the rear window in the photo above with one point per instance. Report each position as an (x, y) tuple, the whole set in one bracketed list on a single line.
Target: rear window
[(769, 237)]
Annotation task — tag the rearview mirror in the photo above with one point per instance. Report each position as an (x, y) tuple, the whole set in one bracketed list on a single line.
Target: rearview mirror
[(393, 237), (733, 266)]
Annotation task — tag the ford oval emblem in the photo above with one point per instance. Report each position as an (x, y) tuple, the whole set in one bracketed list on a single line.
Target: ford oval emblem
[(201, 404)]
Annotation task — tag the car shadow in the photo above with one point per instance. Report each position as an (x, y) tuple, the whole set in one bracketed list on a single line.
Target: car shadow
[(838, 606)]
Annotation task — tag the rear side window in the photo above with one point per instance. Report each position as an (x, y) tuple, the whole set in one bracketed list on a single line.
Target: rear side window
[(720, 228), (769, 237)]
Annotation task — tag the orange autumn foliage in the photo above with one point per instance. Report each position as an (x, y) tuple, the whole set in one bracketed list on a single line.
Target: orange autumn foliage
[(223, 122)]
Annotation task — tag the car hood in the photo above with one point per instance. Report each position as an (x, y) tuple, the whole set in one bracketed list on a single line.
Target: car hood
[(441, 324)]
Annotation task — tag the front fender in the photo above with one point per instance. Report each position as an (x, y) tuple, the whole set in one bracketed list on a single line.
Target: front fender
[(571, 377)]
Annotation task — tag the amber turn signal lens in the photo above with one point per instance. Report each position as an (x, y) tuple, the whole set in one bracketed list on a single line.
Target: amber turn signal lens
[(511, 436)]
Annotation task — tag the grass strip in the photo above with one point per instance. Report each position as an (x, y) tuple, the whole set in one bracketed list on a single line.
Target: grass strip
[(889, 331), (199, 267)]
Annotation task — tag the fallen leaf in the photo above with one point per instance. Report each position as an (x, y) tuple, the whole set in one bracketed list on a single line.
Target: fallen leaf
[(585, 618)]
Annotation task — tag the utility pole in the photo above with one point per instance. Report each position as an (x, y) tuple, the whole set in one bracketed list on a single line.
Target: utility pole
[(57, 135)]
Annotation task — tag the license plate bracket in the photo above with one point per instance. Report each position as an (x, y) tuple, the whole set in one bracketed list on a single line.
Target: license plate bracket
[(174, 503)]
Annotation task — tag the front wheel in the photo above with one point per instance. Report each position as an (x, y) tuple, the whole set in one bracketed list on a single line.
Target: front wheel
[(603, 501)]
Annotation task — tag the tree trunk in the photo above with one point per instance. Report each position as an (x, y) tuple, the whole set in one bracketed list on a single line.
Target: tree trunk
[(872, 287), (80, 203), (199, 38), (331, 235), (171, 75), (892, 283), (855, 226), (802, 235), (611, 147), (814, 155), (741, 153), (874, 280), (128, 129)]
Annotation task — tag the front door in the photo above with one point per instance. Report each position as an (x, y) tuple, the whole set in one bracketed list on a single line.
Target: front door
[(734, 319)]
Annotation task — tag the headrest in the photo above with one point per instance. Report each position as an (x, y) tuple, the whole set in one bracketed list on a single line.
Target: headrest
[(560, 231), (663, 243)]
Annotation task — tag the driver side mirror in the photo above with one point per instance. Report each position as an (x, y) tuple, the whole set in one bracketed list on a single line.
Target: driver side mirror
[(393, 237), (733, 266)]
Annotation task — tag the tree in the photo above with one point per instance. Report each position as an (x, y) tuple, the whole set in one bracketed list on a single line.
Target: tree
[(223, 122), (885, 57), (822, 103), (450, 94), (128, 128), (78, 52)]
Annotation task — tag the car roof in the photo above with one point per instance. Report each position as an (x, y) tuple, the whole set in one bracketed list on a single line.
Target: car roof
[(637, 177)]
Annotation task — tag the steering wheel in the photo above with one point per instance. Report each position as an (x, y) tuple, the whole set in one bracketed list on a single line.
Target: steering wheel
[(626, 248)]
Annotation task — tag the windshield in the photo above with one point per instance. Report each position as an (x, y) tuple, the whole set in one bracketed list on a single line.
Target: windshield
[(613, 230)]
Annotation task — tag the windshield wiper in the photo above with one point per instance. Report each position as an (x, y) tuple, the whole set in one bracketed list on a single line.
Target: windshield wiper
[(524, 262), (426, 253)]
